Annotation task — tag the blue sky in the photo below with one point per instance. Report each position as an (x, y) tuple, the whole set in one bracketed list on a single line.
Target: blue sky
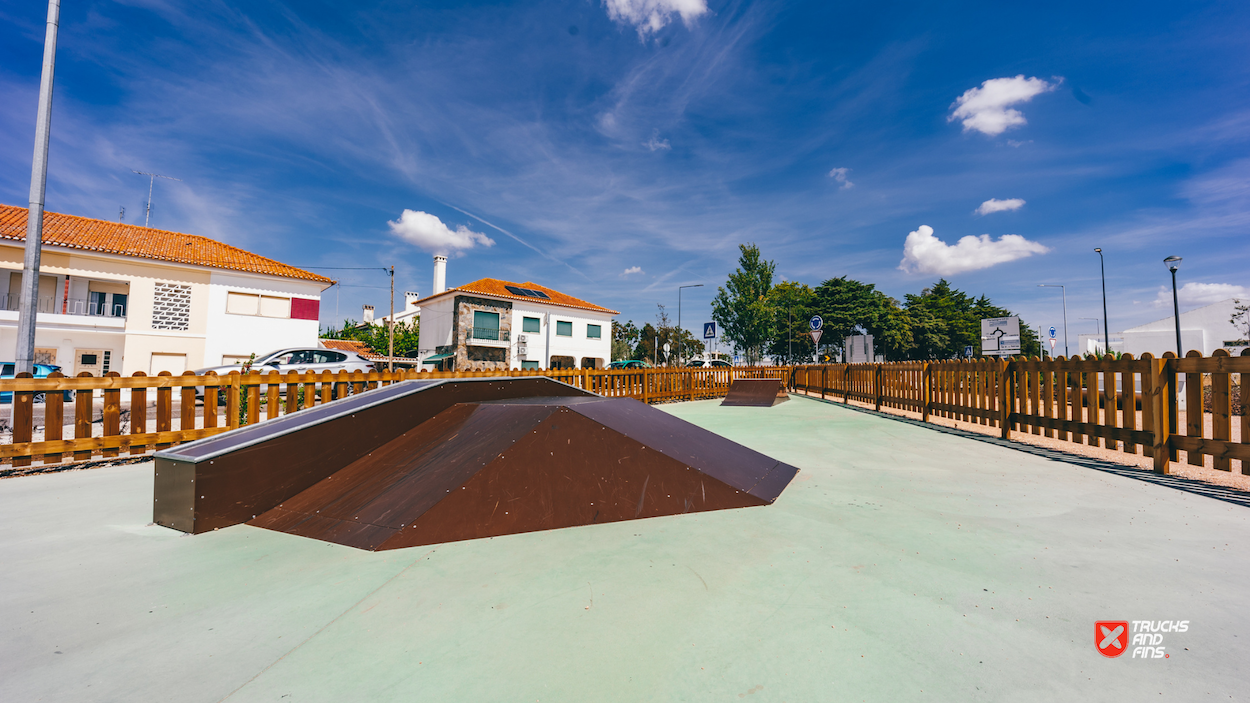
[(615, 150)]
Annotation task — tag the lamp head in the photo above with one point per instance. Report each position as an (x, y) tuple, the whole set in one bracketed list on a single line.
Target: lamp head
[(1099, 250), (1172, 263)]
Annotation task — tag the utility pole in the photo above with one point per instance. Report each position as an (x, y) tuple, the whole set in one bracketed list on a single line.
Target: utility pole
[(29, 306), (1106, 334), (390, 324), (152, 179)]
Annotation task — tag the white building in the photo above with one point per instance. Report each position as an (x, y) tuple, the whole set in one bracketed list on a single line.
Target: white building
[(117, 297), (491, 324), (1204, 329)]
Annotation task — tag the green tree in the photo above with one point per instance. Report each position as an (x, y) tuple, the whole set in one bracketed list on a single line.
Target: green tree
[(791, 302), (1240, 319), (624, 340), (407, 336), (741, 307), (945, 320), (848, 306), (646, 349)]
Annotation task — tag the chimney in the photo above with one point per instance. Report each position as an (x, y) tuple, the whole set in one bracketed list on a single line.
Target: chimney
[(440, 273), (410, 300), (367, 315)]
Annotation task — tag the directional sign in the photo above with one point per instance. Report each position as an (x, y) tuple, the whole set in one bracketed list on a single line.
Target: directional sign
[(816, 323), (709, 330), (1000, 336), (1052, 332), (816, 336)]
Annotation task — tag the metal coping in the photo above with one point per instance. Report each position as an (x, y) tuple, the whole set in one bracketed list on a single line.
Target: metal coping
[(215, 446)]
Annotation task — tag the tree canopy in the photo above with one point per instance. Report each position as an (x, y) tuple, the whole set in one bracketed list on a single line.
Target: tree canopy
[(742, 307)]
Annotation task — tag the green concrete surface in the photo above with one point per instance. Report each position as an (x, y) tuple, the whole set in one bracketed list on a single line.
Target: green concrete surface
[(902, 564)]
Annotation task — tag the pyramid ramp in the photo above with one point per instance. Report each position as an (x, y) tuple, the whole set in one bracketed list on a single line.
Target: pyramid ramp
[(492, 468), (756, 392)]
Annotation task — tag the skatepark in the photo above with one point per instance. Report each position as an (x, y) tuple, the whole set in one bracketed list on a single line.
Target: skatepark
[(901, 562)]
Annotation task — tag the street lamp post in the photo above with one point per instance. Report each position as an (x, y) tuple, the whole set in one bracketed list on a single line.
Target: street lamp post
[(1064, 290), (1096, 321), (1173, 263), (696, 285), (1106, 335)]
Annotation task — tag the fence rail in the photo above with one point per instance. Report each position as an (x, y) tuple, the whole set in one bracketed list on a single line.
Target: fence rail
[(140, 413), (1130, 405)]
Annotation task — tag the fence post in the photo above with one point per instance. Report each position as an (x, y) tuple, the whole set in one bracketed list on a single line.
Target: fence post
[(1006, 380), (926, 390), (876, 384), (23, 419), (824, 376), (1162, 407), (83, 416), (111, 415)]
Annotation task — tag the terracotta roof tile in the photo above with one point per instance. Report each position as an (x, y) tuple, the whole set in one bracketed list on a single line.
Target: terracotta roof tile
[(89, 234), (351, 345), (496, 288)]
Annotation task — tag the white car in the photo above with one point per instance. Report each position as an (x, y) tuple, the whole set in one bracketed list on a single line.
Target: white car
[(300, 359)]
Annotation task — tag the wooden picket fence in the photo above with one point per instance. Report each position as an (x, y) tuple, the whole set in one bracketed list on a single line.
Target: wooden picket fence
[(148, 418), (1130, 405)]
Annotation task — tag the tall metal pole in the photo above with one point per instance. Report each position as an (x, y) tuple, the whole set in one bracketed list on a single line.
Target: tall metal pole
[(29, 305), (679, 335), (1176, 312), (1066, 353), (1106, 335), (390, 352)]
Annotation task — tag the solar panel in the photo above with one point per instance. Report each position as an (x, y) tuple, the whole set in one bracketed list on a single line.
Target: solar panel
[(537, 294), (527, 292)]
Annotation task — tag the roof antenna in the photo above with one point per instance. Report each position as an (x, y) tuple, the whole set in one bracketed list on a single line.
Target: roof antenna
[(121, 216), (152, 179)]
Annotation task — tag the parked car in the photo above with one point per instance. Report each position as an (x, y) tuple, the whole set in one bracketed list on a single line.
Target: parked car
[(699, 363), (629, 364), (299, 359), (41, 371)]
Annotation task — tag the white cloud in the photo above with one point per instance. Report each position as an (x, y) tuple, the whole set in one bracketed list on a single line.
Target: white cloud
[(996, 205), (429, 233), (650, 16), (925, 253), (987, 109), (631, 271), (839, 175), (1199, 294), (655, 143)]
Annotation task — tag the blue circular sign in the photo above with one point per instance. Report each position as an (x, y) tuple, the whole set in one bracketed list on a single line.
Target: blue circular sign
[(1052, 331), (816, 323)]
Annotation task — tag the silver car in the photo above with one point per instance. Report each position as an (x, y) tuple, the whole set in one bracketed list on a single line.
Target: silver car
[(299, 359)]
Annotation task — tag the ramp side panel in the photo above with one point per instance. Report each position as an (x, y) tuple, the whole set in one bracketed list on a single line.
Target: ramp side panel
[(234, 486), (367, 502), (756, 392), (569, 471), (738, 466)]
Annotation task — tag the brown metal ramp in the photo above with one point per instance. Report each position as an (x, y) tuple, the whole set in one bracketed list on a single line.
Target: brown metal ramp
[(494, 468), (756, 392)]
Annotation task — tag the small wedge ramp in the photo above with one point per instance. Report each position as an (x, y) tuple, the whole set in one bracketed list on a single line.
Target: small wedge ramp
[(756, 392), (487, 466)]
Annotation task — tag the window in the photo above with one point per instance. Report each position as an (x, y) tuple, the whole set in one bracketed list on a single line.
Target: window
[(529, 365), (171, 307), (45, 355), (96, 303), (485, 325), (263, 305), (594, 332), (531, 324), (328, 357), (118, 306), (564, 329)]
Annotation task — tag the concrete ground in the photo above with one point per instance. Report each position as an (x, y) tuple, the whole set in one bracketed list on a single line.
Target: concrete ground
[(902, 564)]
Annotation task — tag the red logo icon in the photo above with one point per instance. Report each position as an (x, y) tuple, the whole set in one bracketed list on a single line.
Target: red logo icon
[(1111, 637)]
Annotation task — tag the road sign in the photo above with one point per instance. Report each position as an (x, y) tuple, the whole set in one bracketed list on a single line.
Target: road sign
[(816, 336), (1052, 332), (816, 323), (968, 351), (666, 347), (1052, 346), (1000, 336), (709, 330)]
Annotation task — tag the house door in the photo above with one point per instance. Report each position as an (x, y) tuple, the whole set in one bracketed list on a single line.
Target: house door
[(90, 360)]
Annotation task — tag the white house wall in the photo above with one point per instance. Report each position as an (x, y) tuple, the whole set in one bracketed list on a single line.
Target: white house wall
[(546, 343), (234, 335)]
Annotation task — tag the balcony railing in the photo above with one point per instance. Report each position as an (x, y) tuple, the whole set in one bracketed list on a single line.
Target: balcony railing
[(488, 333), (61, 306)]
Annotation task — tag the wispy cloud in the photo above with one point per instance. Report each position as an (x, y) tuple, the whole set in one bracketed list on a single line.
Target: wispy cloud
[(925, 253), (429, 233), (655, 143), (996, 205), (650, 16), (631, 271), (987, 109), (840, 175), (1199, 294)]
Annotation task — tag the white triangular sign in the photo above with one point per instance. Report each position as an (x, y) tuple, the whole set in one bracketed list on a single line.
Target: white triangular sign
[(816, 336)]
